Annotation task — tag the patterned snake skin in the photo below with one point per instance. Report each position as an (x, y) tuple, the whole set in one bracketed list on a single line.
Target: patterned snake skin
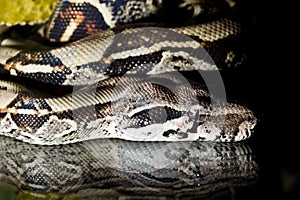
[(126, 82), (111, 73)]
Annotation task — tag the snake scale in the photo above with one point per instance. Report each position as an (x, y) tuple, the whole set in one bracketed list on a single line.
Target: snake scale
[(126, 81)]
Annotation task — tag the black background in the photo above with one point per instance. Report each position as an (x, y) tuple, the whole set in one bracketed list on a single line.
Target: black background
[(267, 83)]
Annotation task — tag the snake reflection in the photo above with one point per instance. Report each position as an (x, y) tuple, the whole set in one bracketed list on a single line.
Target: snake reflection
[(113, 168)]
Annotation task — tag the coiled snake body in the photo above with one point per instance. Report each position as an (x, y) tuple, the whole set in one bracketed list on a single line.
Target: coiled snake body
[(126, 81)]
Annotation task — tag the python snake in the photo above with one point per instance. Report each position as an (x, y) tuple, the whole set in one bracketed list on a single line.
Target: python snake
[(125, 80)]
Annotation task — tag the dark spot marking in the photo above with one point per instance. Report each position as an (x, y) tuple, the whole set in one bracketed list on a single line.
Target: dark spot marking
[(169, 132), (56, 77), (201, 138), (141, 64), (32, 121)]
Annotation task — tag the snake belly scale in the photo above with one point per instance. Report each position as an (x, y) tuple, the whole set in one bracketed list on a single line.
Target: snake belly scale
[(114, 70)]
